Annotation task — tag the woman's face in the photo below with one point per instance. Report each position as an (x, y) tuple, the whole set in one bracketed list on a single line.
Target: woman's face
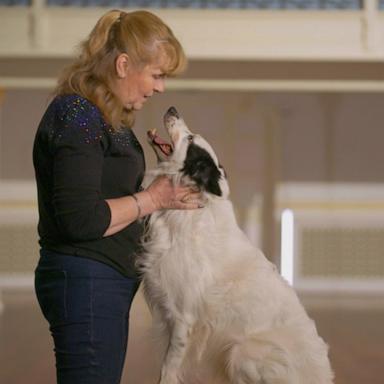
[(135, 86)]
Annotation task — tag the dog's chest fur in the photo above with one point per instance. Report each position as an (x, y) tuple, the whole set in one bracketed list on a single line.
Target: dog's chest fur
[(188, 252)]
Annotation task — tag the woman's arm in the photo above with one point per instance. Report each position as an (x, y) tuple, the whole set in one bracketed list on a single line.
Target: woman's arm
[(161, 194)]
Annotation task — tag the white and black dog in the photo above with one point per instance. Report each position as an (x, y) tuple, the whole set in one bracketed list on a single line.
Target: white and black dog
[(227, 314)]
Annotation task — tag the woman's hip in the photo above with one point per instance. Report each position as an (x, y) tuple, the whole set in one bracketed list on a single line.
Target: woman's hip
[(75, 287)]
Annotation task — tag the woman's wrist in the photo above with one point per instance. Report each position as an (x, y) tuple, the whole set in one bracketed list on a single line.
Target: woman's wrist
[(145, 204), (138, 206)]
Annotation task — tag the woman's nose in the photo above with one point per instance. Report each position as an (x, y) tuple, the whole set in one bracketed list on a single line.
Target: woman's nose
[(159, 86)]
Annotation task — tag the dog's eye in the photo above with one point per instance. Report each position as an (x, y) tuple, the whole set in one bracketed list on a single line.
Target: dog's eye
[(190, 138)]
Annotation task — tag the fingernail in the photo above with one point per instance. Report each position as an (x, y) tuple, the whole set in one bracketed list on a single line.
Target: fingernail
[(201, 205)]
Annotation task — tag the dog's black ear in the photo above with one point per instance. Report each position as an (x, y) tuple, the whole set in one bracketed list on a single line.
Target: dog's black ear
[(201, 168)]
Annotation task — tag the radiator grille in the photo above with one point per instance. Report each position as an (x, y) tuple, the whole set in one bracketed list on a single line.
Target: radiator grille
[(19, 248), (342, 252)]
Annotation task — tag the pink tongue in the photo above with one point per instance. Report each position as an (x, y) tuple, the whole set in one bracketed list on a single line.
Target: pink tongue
[(158, 140)]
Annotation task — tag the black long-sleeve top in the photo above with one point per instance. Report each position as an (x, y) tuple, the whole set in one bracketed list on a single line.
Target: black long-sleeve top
[(80, 161)]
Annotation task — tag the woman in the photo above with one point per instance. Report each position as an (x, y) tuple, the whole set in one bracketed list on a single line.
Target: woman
[(89, 167)]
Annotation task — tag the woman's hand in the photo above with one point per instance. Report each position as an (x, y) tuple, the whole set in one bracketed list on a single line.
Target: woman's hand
[(161, 194), (166, 195)]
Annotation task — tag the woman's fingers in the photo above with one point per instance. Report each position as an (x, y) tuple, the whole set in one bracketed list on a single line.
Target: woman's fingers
[(182, 190), (191, 200), (166, 195), (190, 197), (188, 205)]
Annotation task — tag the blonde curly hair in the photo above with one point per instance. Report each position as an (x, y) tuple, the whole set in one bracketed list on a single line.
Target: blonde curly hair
[(142, 36)]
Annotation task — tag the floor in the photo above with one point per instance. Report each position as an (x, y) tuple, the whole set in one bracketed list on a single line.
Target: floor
[(355, 335)]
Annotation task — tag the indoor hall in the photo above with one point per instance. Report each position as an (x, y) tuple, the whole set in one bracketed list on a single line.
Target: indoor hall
[(290, 94)]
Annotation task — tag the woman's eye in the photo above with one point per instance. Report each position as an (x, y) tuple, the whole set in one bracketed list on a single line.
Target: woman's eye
[(159, 76)]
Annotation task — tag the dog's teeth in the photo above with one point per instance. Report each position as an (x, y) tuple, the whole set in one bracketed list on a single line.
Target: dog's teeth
[(154, 131)]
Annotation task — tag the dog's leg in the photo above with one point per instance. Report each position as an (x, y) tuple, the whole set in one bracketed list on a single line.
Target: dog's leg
[(178, 344), (247, 362)]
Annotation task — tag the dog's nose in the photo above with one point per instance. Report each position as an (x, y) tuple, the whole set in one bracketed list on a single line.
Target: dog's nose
[(173, 112)]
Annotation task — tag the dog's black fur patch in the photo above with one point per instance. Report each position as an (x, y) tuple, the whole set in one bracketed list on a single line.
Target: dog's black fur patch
[(201, 168)]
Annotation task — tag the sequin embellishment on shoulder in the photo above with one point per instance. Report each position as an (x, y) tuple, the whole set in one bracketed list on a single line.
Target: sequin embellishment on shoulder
[(77, 117), (124, 138)]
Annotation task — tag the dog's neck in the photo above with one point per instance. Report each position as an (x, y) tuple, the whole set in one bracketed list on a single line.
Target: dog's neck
[(217, 216)]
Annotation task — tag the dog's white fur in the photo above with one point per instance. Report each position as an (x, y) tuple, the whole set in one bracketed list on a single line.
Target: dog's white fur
[(227, 314)]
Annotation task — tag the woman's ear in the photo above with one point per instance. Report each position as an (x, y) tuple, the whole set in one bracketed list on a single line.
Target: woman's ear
[(122, 64)]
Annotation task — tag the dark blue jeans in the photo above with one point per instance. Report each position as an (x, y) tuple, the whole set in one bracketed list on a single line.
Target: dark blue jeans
[(87, 306)]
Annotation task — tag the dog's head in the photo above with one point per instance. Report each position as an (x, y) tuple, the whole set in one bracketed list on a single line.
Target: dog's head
[(193, 156)]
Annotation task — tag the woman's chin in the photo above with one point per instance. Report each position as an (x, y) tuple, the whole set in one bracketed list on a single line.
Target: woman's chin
[(137, 106)]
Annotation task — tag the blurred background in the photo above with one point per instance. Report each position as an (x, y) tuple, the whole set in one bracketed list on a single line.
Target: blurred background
[(290, 94)]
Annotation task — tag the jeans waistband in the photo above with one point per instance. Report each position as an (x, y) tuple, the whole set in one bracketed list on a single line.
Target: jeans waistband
[(76, 266)]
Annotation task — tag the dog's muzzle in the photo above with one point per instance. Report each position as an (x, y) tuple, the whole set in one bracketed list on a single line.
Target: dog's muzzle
[(172, 111)]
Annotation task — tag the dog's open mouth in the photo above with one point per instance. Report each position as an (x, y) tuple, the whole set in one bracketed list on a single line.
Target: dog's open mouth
[(158, 143)]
